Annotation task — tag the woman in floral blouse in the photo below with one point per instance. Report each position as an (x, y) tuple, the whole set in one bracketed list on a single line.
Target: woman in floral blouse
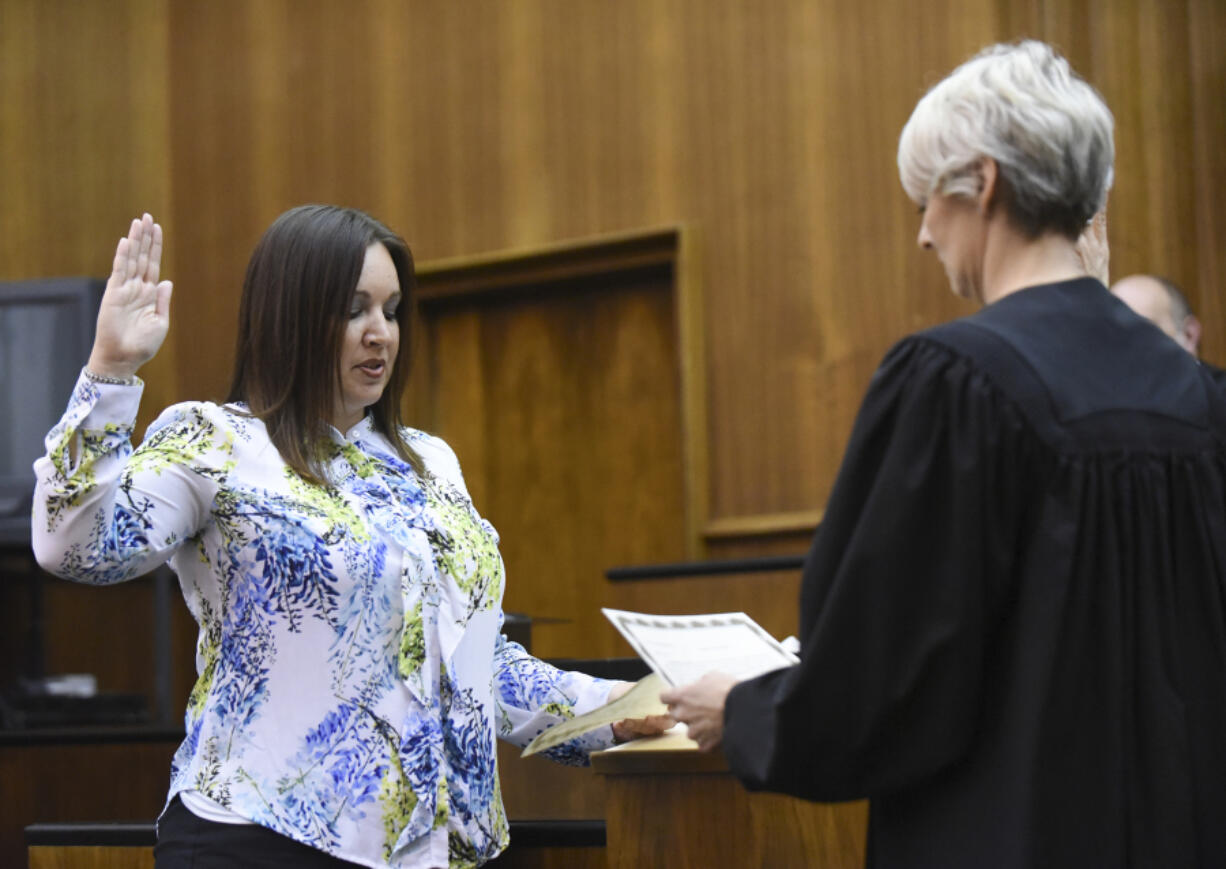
[(352, 670)]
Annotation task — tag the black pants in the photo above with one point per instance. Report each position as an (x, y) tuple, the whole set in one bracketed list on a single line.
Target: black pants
[(186, 841)]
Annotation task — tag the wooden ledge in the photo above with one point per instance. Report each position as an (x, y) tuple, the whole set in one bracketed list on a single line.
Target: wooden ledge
[(669, 754)]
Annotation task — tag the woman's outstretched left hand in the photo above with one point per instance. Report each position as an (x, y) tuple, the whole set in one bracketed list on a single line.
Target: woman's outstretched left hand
[(637, 728)]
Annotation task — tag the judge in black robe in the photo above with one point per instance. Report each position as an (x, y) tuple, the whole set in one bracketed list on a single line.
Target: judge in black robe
[(1013, 616)]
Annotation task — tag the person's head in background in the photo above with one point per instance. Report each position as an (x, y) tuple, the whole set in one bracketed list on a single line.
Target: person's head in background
[(1011, 133), (1161, 302)]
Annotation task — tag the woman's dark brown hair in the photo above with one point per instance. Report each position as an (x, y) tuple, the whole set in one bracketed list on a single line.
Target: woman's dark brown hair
[(296, 299)]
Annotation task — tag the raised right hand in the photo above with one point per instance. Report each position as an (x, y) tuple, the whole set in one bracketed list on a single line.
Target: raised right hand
[(1093, 249), (135, 312)]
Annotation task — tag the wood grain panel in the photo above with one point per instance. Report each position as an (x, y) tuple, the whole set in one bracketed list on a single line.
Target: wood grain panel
[(770, 128), (1206, 66), (482, 126), (83, 142), (87, 782), (564, 407), (1162, 217), (711, 817), (84, 857)]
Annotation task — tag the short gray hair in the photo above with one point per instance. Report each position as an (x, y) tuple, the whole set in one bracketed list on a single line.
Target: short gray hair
[(1022, 105)]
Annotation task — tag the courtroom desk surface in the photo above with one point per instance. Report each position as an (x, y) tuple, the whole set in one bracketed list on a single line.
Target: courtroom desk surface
[(670, 753)]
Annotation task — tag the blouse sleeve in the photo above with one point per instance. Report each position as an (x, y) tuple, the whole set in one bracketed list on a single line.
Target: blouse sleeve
[(533, 696), (899, 591), (104, 513)]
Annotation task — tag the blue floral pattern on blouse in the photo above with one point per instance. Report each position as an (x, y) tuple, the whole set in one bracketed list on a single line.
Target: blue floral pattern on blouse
[(352, 671)]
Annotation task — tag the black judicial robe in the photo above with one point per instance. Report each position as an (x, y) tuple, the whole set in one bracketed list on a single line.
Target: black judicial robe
[(1217, 375), (1013, 616)]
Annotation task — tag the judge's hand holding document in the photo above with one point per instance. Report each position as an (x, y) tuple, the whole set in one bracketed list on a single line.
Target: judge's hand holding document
[(700, 707)]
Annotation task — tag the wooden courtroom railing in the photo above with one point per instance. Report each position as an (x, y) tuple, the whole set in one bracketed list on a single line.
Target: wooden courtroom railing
[(535, 845)]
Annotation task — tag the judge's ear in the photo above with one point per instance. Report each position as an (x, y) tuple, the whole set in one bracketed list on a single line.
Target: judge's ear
[(1189, 334), (988, 173)]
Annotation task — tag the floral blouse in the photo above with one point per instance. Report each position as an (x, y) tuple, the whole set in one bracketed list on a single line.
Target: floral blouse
[(352, 670)]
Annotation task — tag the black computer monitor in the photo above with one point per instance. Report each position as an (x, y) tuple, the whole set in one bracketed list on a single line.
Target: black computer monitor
[(46, 331)]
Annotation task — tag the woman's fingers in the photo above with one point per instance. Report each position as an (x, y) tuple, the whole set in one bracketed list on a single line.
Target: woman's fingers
[(155, 255), (636, 728), (126, 254), (138, 261), (133, 258), (163, 300), (146, 245), (120, 265)]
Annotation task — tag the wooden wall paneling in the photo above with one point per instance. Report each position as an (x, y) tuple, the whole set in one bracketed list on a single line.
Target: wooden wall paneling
[(483, 126), (788, 375), (215, 108), (745, 72), (769, 598), (1166, 209), (1206, 65), (83, 150), (595, 93), (1161, 217), (691, 324), (796, 522), (77, 148), (1151, 210), (239, 134), (1020, 19), (560, 372), (277, 105), (770, 129), (1073, 29)]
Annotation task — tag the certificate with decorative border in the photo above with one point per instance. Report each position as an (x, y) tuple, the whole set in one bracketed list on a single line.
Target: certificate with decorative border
[(683, 648)]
